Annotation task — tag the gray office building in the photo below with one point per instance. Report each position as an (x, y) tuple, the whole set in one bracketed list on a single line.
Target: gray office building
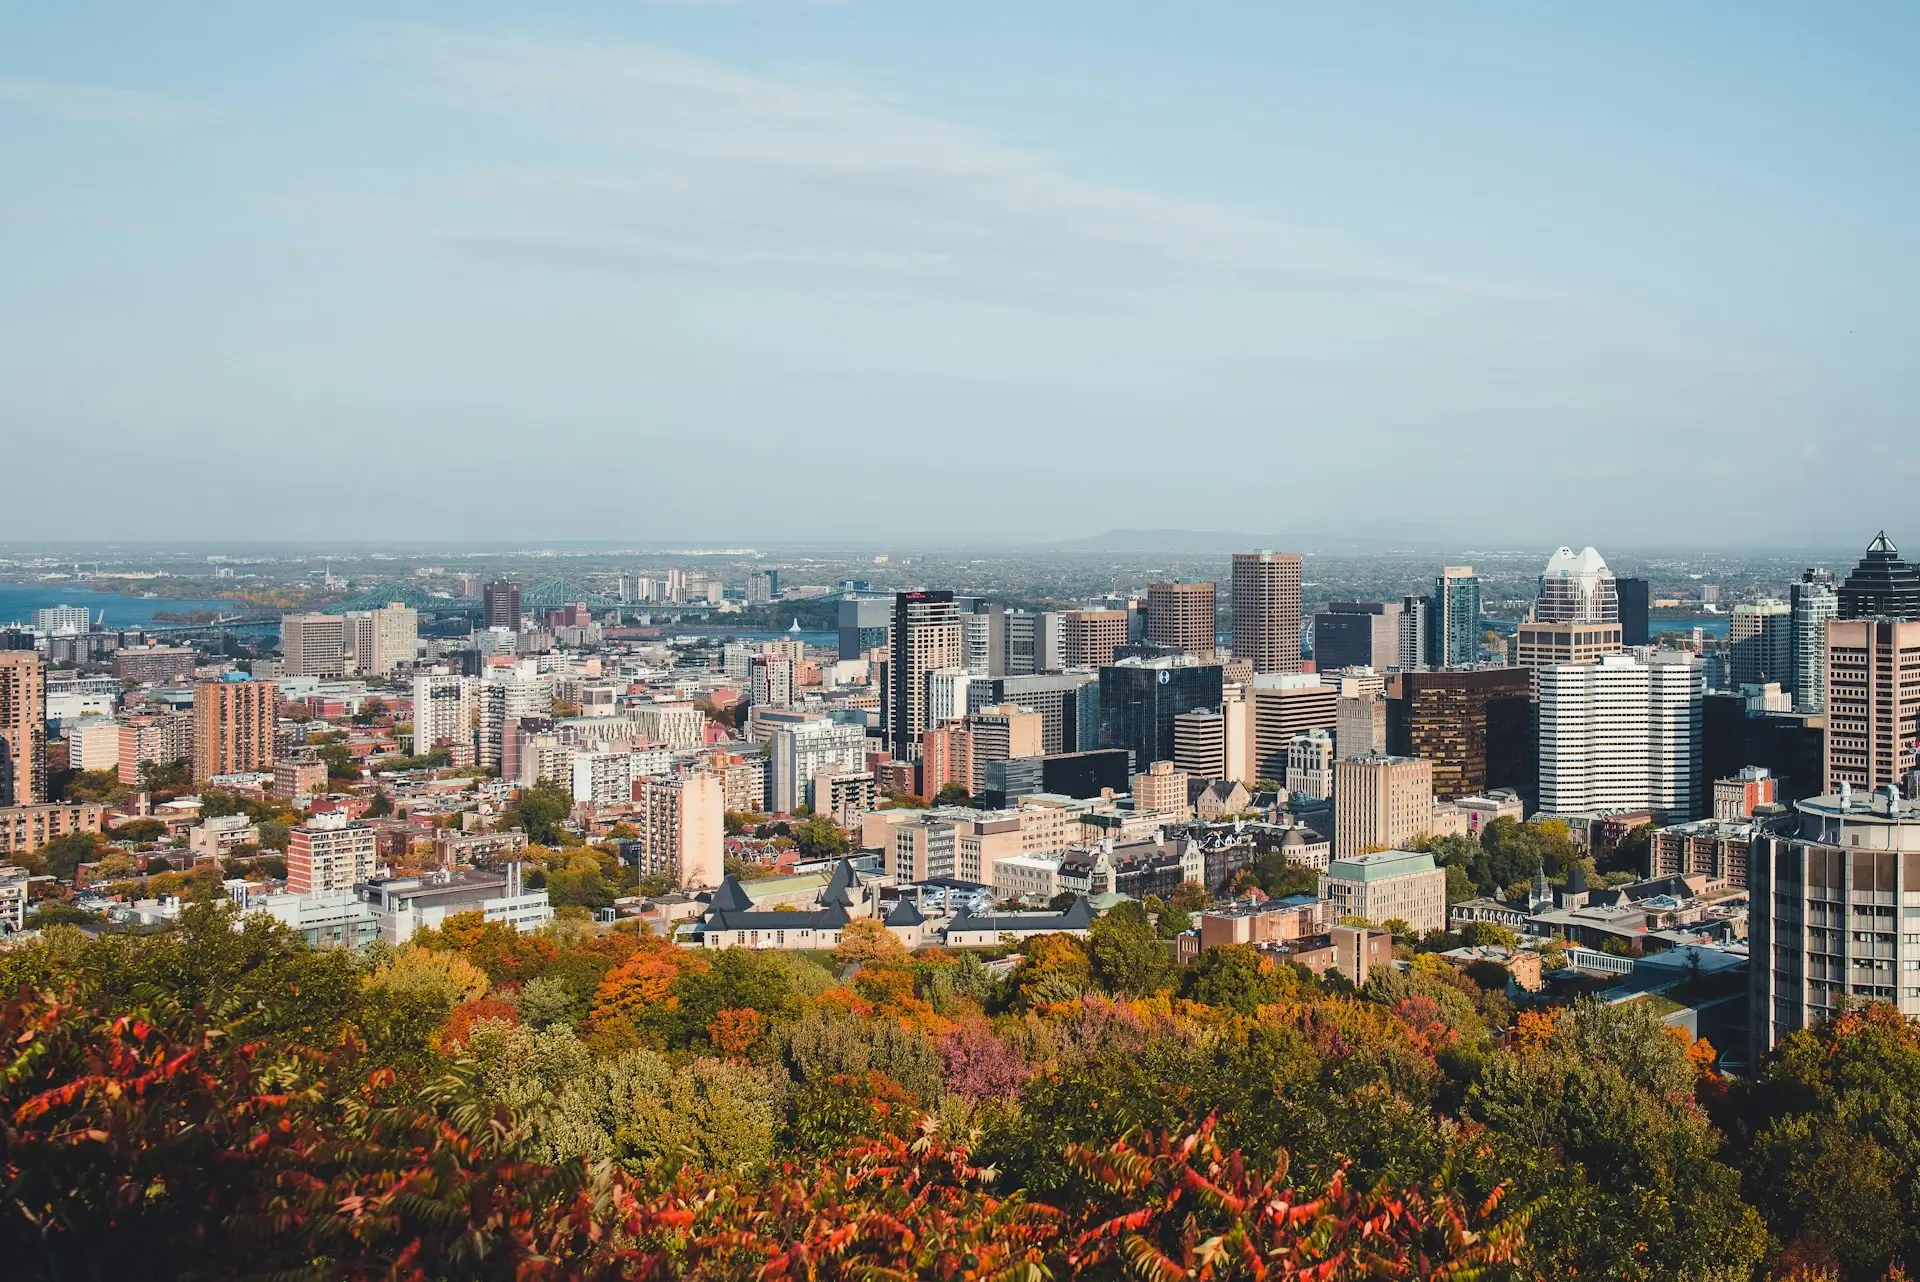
[(1357, 634), (1829, 889), (866, 623), (1068, 704)]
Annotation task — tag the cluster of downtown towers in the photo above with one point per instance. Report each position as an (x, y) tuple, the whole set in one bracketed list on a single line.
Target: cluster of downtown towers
[(1577, 713)]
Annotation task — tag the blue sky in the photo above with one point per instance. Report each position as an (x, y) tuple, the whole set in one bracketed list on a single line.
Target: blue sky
[(1525, 273)]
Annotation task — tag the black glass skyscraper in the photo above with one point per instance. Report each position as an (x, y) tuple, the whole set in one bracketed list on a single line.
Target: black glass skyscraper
[(1634, 622), (1140, 698), (1882, 585)]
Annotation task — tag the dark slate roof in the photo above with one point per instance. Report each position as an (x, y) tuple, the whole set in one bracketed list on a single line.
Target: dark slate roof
[(838, 893), (1079, 916), (732, 897), (1577, 877), (905, 913), (820, 919)]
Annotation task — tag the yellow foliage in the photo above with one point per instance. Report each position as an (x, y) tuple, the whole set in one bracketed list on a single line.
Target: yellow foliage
[(869, 943), (425, 971)]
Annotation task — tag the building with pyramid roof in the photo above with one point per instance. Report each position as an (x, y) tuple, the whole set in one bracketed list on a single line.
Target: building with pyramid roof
[(1882, 585)]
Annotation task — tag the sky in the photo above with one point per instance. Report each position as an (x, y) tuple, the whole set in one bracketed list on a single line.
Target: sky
[(777, 270)]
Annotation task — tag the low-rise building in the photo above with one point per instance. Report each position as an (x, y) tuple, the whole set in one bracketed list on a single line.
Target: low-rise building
[(216, 837), (1265, 922), (971, 930), (1030, 877), (13, 900), (404, 905), (1713, 848), (24, 829)]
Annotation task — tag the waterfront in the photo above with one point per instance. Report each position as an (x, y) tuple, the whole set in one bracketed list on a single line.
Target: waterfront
[(18, 601)]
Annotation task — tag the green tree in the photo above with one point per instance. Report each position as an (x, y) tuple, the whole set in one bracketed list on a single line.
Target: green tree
[(1236, 977), (953, 794), (1126, 953), (64, 855), (819, 837), (99, 786), (540, 811), (139, 830)]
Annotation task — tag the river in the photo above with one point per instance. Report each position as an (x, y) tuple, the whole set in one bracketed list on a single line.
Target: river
[(18, 601)]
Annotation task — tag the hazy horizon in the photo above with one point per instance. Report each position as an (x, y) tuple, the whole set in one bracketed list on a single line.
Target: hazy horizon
[(1005, 275)]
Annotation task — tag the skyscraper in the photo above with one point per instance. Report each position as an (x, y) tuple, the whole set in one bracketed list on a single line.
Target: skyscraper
[(1356, 634), (1873, 701), (1180, 616), (1416, 619), (1475, 727), (1284, 705), (23, 729), (500, 604), (927, 636), (1380, 803), (1139, 699), (1621, 734), (864, 625), (1882, 585), (1635, 615), (1760, 637), (1088, 638), (1812, 602), (1454, 630), (1577, 587), (233, 724), (383, 638), (1266, 610)]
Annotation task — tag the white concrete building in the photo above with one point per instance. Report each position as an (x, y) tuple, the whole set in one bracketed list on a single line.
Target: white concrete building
[(605, 777), (1621, 734), (1577, 587), (443, 709), (798, 753), (1310, 764), (94, 744)]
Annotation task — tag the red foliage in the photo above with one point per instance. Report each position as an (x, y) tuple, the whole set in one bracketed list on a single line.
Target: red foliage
[(1181, 1208), (134, 1151), (978, 1064), (467, 1014)]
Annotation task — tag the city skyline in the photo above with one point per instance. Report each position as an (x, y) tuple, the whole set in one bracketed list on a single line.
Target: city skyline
[(601, 243)]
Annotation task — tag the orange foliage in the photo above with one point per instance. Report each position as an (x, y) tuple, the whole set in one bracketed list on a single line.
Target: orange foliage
[(644, 980), (1533, 1030), (495, 947), (467, 1014), (734, 1030), (845, 999)]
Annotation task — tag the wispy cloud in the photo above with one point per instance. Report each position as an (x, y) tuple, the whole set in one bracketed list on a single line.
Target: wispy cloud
[(698, 166), (100, 103)]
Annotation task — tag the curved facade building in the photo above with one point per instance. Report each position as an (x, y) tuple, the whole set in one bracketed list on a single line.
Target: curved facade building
[(1577, 587)]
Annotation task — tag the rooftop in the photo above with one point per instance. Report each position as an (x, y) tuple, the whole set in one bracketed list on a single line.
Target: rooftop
[(1381, 866)]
